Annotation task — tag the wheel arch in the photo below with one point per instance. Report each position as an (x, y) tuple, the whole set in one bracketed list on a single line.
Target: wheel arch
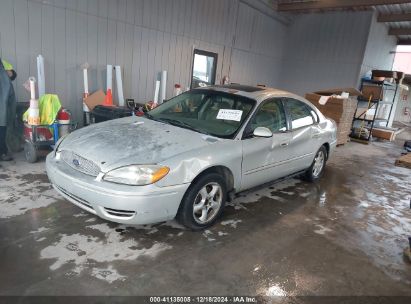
[(221, 170), (224, 171), (327, 148)]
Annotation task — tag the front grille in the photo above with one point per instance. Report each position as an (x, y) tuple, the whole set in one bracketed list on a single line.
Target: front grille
[(120, 213), (80, 163)]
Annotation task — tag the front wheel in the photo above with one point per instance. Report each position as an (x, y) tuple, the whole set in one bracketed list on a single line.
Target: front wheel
[(203, 202), (316, 169)]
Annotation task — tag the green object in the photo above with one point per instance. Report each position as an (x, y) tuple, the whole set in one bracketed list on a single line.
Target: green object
[(49, 105), (7, 65)]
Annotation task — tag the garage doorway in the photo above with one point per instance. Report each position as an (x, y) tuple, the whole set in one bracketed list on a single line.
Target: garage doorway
[(204, 69)]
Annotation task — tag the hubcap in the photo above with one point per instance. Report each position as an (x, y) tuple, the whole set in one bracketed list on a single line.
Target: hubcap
[(318, 163), (207, 203)]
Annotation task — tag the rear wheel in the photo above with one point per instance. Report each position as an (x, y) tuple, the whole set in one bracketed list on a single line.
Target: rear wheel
[(316, 169), (203, 202)]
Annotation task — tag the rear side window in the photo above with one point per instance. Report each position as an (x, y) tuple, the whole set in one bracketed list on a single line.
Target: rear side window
[(300, 113)]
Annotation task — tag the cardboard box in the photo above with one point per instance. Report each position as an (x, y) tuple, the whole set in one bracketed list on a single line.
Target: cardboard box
[(338, 91), (341, 110), (338, 109), (375, 91), (95, 99), (384, 73)]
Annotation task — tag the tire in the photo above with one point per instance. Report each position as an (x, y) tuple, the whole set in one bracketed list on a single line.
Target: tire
[(316, 169), (196, 210), (30, 152)]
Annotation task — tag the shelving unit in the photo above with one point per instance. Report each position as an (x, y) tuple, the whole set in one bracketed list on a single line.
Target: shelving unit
[(362, 120)]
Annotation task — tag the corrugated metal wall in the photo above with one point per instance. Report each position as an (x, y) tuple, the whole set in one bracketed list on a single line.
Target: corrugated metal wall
[(254, 45), (143, 36), (325, 50), (380, 47)]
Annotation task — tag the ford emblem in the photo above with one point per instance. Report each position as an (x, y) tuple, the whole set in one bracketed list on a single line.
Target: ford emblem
[(76, 162)]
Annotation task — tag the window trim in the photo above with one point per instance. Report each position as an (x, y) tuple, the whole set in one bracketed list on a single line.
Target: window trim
[(316, 117), (289, 118), (246, 133), (208, 54)]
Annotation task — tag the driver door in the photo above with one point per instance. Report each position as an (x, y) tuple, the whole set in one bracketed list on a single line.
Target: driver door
[(266, 159)]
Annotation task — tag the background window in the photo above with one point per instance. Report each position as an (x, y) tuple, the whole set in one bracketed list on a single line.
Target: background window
[(271, 115), (299, 113), (204, 69)]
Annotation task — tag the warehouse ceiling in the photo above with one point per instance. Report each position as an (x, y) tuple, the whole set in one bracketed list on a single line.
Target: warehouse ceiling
[(395, 13)]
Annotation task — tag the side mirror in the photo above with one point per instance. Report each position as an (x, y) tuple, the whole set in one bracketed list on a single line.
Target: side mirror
[(262, 132)]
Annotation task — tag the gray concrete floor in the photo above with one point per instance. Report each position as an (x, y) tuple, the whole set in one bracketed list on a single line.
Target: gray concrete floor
[(342, 236)]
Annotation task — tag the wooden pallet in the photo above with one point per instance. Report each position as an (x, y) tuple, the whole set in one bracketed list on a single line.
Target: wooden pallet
[(404, 161)]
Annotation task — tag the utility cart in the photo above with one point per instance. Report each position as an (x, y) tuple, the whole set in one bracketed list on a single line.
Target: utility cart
[(43, 136)]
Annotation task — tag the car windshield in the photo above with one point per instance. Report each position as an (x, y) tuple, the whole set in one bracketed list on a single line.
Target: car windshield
[(209, 112)]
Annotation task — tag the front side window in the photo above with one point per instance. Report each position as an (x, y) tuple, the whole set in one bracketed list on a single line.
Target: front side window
[(270, 115), (300, 113), (210, 112)]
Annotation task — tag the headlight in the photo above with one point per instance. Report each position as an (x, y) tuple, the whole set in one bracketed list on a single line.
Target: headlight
[(137, 175)]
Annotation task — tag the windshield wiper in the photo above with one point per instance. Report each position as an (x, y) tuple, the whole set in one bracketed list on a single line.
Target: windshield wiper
[(183, 124), (149, 116)]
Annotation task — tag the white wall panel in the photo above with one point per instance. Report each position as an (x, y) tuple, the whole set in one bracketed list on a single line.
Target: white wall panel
[(22, 42), (380, 47), (325, 50)]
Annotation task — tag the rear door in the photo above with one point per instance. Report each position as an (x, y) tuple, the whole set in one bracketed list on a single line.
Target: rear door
[(266, 159), (302, 123)]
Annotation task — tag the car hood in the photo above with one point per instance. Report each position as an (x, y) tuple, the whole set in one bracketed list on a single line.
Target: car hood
[(133, 140)]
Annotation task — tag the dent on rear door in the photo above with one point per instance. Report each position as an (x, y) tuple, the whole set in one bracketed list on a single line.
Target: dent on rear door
[(302, 148)]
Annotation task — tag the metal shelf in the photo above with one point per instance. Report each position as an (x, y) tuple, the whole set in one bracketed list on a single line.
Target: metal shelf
[(361, 99), (374, 105), (385, 83), (364, 119)]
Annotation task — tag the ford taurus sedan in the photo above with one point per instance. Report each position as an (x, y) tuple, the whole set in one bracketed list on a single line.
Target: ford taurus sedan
[(190, 155)]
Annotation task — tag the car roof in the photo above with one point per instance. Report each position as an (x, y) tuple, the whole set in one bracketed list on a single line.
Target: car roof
[(255, 92)]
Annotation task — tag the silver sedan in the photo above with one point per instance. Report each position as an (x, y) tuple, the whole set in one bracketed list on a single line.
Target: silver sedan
[(190, 155)]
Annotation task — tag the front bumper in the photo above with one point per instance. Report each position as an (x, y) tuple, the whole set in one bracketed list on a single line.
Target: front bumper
[(134, 205)]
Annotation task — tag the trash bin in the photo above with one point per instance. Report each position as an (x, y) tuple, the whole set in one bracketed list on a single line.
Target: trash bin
[(104, 113)]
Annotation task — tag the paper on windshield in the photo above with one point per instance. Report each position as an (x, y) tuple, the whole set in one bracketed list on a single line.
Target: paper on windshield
[(228, 114)]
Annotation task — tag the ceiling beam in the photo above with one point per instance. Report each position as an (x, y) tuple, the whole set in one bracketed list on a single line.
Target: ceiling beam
[(399, 31), (332, 4), (394, 17), (404, 42)]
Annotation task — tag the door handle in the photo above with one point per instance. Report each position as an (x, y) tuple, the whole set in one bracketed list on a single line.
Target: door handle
[(284, 144)]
